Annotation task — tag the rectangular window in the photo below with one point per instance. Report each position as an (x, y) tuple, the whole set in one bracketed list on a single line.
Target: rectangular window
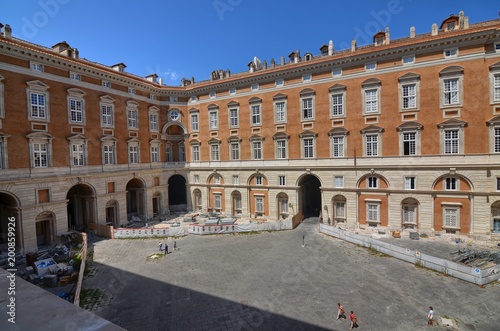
[(337, 72), (371, 145), (338, 146), (214, 120), (232, 91), (77, 154), (373, 212), (340, 210), (410, 214), (109, 154), (216, 179), (37, 67), (281, 149), (153, 122), (107, 115), (217, 201), (235, 151), (408, 59), (2, 165), (280, 82), (194, 122), (256, 116), (496, 87), (371, 101), (498, 183), (214, 152), (451, 142), (133, 153), (338, 181), (236, 180), (131, 90), (74, 76), (106, 84), (212, 95), (284, 206), (258, 180), (306, 78), (372, 182), (196, 179), (155, 154), (451, 52), (497, 140), (409, 143), (451, 218), (279, 111), (282, 180), (233, 117), (308, 148), (338, 104), (257, 150), (132, 119), (76, 110), (409, 96), (307, 108), (255, 87), (38, 109), (451, 184), (410, 183), (40, 157), (259, 204), (451, 91), (196, 152), (371, 66)]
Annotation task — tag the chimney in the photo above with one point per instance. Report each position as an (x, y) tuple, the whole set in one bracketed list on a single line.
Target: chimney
[(152, 78), (434, 30), (466, 22), (7, 32), (273, 64), (330, 48), (387, 36), (412, 32), (353, 45), (282, 60), (120, 67)]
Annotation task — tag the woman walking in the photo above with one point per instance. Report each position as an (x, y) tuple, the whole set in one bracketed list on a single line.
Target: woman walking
[(354, 320)]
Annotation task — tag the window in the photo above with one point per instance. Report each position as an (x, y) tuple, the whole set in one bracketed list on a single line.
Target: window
[(212, 95), (307, 109), (370, 66), (337, 72), (234, 118), (133, 154), (497, 47), (409, 96), (410, 183), (132, 118), (236, 180), (498, 183), (280, 82), (174, 99), (282, 180), (40, 144), (451, 141), (36, 66), (372, 182), (155, 154), (2, 106), (496, 140), (109, 154), (195, 122), (337, 105), (257, 150), (153, 121), (232, 91), (308, 147), (337, 146), (259, 204), (258, 180), (451, 217), (131, 90), (76, 110), (106, 84), (409, 143), (371, 144), (152, 96), (338, 181), (496, 88), (371, 101), (217, 201), (409, 59), (451, 86), (214, 152), (256, 115), (281, 149), (107, 111), (196, 179), (451, 184), (40, 158), (340, 211), (306, 78), (174, 115), (279, 111), (283, 205), (193, 98), (235, 150), (371, 96), (255, 87), (3, 151), (451, 52), (77, 155), (38, 103), (373, 212), (182, 152), (195, 152), (169, 152), (450, 91), (213, 119), (409, 214), (74, 76), (216, 179)]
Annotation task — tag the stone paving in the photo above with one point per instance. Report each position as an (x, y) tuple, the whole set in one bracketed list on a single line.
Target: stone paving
[(271, 281)]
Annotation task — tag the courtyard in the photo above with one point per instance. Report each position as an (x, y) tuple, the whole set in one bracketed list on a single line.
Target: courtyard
[(283, 280)]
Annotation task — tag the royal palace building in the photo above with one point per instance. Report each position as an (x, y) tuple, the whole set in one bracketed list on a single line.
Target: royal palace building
[(399, 134)]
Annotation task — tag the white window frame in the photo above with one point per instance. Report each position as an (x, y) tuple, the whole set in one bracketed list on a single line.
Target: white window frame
[(153, 119), (38, 111), (236, 180), (338, 181), (279, 82), (306, 77), (413, 145), (308, 147), (218, 201), (450, 52), (257, 149), (372, 144), (107, 112), (215, 151), (40, 146), (372, 182), (451, 184), (235, 150), (212, 95), (254, 87), (280, 110), (451, 96), (4, 164), (105, 83), (76, 106), (451, 141), (369, 66), (2, 104), (409, 214), (281, 148), (133, 153), (259, 180), (371, 102), (372, 212), (154, 151), (307, 107), (75, 76), (213, 119), (255, 114), (232, 91), (132, 118), (36, 66), (195, 153), (131, 90), (78, 154), (409, 96), (449, 212), (410, 183), (338, 145), (281, 180), (337, 104), (108, 150), (408, 59), (195, 121), (337, 72), (196, 179), (259, 204), (234, 117), (494, 76)]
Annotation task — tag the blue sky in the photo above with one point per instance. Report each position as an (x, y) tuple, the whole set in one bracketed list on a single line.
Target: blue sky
[(191, 38)]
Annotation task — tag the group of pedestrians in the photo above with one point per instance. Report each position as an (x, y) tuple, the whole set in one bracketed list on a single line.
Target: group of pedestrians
[(352, 316), (161, 249)]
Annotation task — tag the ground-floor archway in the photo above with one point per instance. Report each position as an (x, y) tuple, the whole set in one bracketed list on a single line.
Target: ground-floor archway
[(310, 196), (10, 220), (136, 199), (45, 229), (81, 207), (177, 199)]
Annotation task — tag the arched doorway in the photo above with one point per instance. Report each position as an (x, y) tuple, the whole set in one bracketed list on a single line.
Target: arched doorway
[(81, 207), (136, 197), (310, 196), (45, 229), (174, 135), (177, 199), (112, 217), (9, 210)]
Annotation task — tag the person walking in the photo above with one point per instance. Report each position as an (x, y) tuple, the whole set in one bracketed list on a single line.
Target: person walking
[(160, 246), (175, 245), (430, 316), (166, 249), (354, 320), (341, 312)]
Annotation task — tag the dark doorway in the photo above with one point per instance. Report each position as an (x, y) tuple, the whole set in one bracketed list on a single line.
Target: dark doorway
[(177, 199), (310, 196), (9, 211), (136, 193), (81, 207)]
